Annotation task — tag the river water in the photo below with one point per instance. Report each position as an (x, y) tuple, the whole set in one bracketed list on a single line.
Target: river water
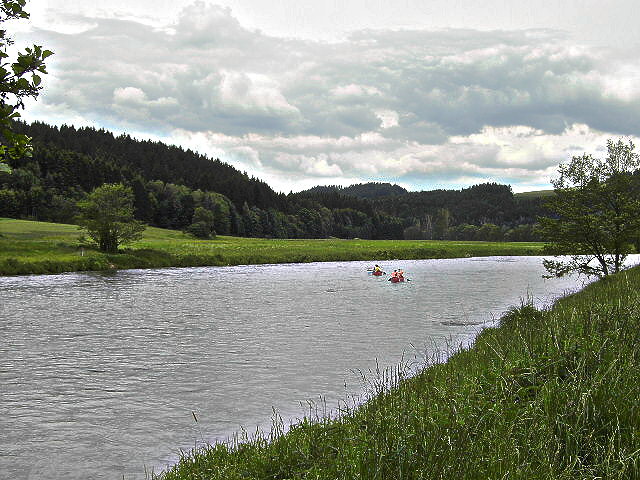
[(103, 375)]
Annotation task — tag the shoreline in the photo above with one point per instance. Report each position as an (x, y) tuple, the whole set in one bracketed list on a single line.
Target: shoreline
[(32, 248), (53, 267)]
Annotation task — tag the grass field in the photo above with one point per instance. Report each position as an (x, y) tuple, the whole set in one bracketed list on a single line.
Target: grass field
[(545, 395), (39, 247), (535, 194)]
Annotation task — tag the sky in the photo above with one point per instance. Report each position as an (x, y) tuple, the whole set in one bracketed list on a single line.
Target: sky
[(426, 94)]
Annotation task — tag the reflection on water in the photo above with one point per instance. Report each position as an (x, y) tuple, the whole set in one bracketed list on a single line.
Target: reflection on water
[(100, 373)]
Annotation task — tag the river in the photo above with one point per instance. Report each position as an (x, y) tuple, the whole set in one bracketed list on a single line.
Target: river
[(103, 375)]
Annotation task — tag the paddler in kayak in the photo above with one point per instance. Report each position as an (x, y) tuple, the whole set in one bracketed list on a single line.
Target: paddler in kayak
[(397, 276), (377, 270)]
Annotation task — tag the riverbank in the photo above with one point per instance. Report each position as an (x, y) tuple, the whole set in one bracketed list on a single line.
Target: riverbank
[(28, 247), (544, 395)]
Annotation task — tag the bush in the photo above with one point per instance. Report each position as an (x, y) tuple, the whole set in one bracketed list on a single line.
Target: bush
[(202, 225)]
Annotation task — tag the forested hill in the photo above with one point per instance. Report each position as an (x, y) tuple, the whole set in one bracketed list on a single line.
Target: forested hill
[(169, 183), (371, 190), (152, 161)]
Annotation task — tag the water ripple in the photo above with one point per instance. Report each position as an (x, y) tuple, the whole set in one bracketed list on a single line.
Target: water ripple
[(101, 372)]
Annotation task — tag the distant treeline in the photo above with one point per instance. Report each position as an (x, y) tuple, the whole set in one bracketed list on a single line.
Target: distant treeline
[(169, 183)]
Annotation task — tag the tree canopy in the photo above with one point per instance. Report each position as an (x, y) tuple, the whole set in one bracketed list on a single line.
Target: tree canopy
[(596, 212), (202, 224), (19, 79), (107, 217)]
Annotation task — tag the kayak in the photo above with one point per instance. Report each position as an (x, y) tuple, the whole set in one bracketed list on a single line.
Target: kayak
[(377, 273)]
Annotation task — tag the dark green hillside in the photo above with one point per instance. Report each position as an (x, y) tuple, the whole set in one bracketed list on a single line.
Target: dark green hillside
[(462, 214), (148, 160), (370, 190), (170, 183), (374, 190)]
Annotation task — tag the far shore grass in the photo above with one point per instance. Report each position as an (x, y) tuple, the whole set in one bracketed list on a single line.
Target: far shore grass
[(30, 247)]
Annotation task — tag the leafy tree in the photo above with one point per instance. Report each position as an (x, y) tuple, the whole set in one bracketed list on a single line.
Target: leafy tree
[(522, 233), (441, 224), (464, 231), (387, 226), (413, 233), (202, 225), (107, 217), (312, 223), (489, 233), (9, 203), (18, 80), (596, 211), (251, 221)]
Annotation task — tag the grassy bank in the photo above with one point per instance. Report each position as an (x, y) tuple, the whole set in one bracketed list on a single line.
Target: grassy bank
[(40, 247), (545, 395)]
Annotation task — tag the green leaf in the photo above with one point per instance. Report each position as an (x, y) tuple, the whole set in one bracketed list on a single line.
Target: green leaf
[(25, 60), (23, 84)]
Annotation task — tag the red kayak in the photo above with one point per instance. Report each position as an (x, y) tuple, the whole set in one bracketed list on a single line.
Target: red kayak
[(377, 273)]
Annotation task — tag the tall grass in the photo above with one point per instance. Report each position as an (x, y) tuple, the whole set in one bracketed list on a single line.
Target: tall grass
[(550, 394), (40, 247)]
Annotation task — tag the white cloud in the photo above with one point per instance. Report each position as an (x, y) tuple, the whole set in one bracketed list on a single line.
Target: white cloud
[(423, 108), (129, 95), (253, 91), (388, 118), (353, 90), (520, 154)]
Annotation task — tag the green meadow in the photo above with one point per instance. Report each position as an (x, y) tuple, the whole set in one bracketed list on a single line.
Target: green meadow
[(549, 394), (535, 194), (29, 247)]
